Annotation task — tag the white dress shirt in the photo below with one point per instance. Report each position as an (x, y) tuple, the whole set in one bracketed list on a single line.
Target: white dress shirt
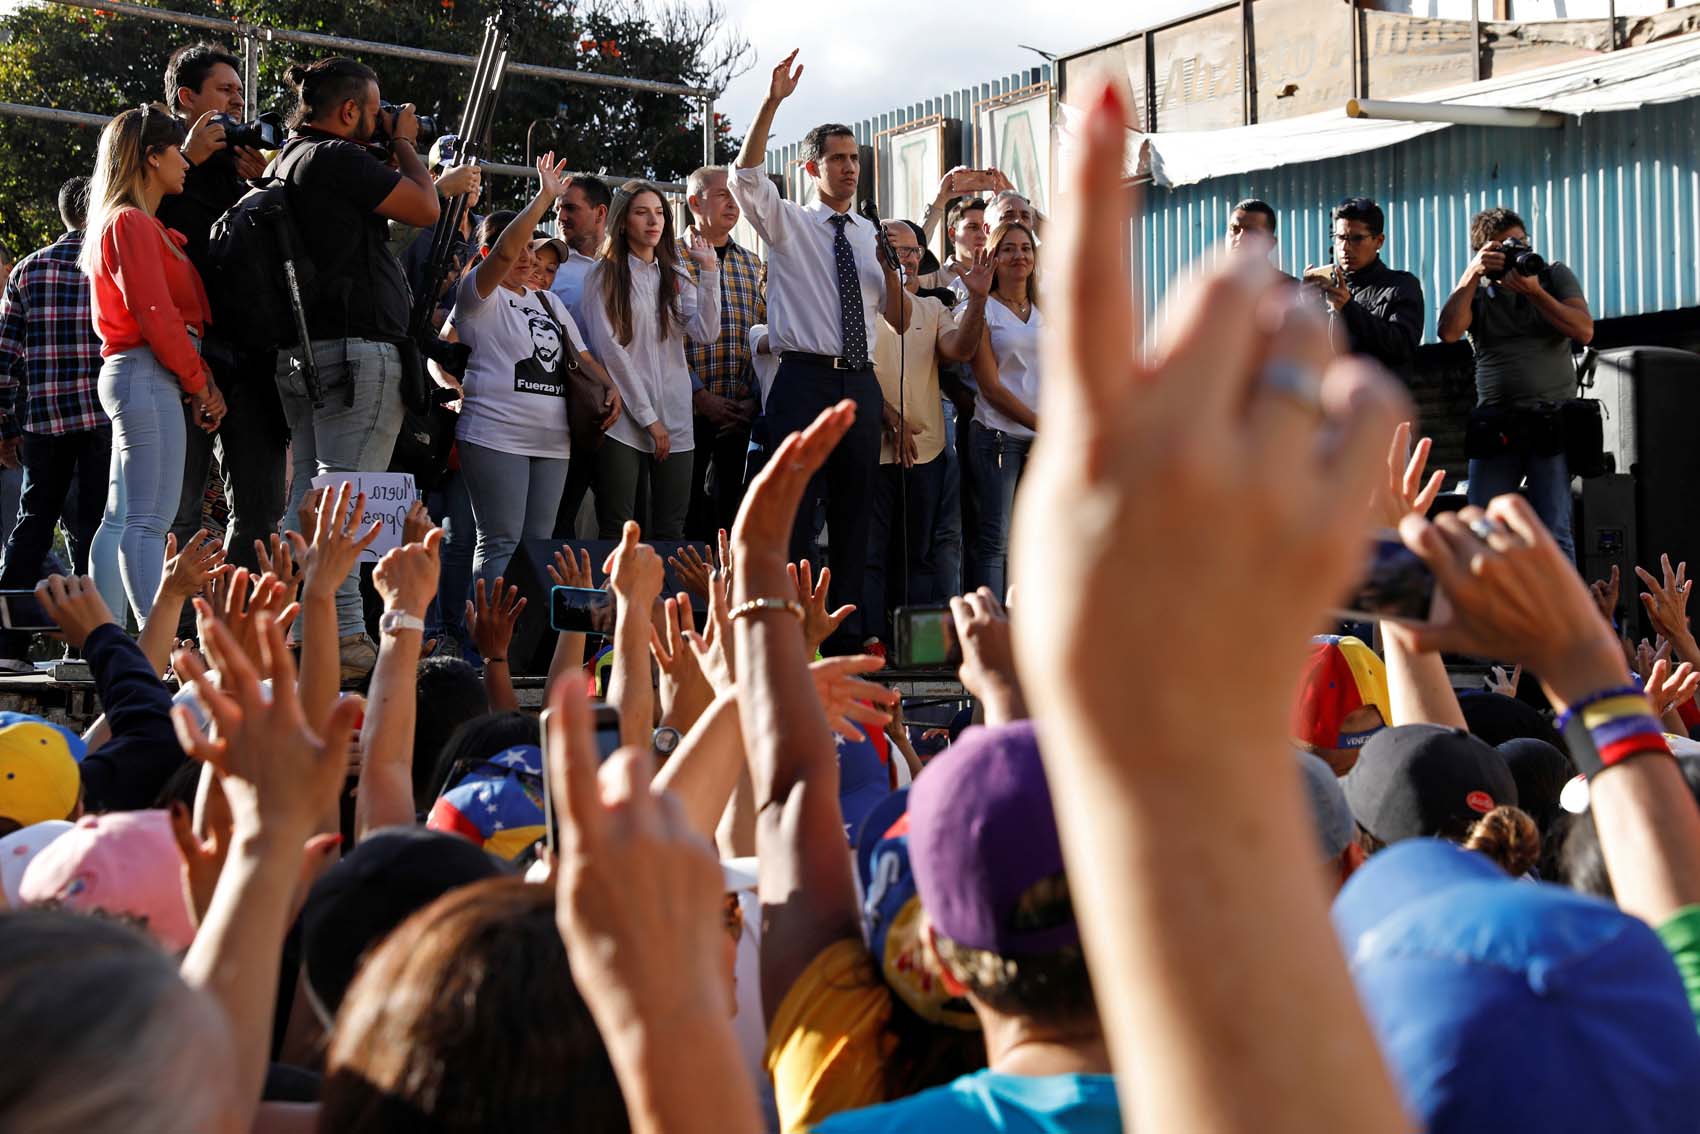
[(569, 280), (650, 372), (803, 308)]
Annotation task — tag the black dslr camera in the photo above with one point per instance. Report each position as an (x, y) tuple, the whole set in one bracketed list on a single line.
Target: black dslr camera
[(428, 127), (1519, 258), (265, 132)]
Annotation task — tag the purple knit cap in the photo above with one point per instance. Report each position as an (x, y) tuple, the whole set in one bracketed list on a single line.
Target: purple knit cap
[(981, 833)]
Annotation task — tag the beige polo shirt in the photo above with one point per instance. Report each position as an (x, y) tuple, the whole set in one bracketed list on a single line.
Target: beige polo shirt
[(922, 401)]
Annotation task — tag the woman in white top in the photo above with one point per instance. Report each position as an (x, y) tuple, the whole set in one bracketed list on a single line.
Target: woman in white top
[(513, 419), (1006, 367), (638, 307)]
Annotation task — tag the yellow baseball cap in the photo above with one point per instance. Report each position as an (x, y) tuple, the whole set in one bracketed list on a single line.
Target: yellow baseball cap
[(38, 773)]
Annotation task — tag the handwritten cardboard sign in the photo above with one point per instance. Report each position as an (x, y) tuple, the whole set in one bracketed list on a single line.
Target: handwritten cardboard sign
[(388, 497)]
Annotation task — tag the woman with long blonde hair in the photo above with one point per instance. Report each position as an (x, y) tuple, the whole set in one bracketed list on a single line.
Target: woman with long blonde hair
[(639, 306), (150, 310), (1006, 368)]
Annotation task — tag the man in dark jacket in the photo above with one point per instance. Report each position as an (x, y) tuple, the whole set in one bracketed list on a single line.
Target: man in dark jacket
[(1373, 309)]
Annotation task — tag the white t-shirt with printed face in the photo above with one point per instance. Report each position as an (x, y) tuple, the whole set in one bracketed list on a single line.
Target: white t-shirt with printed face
[(516, 379)]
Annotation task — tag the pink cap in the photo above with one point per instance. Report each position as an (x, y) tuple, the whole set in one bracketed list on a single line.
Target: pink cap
[(124, 863)]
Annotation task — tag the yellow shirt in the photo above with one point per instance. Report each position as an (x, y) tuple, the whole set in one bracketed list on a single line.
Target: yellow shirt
[(923, 404), (828, 1045)]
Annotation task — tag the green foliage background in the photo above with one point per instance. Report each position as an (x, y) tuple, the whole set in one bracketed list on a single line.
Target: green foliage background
[(78, 59)]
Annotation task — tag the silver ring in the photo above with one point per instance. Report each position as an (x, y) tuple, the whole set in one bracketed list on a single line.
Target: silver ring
[(1483, 528), (1294, 380)]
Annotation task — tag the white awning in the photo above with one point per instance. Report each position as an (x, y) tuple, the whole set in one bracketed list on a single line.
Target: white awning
[(1619, 80)]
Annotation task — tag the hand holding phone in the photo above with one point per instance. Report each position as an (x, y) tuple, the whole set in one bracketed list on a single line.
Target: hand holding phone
[(926, 637), (1399, 586), (581, 610)]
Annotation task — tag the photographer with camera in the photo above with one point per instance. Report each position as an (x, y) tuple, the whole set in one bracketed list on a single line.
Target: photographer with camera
[(203, 87), (342, 193), (1373, 309), (1521, 314)]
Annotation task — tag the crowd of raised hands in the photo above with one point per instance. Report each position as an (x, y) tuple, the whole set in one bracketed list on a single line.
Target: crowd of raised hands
[(1185, 526)]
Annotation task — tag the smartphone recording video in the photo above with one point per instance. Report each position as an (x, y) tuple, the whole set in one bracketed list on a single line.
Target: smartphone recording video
[(926, 637), (22, 611), (1399, 587), (581, 610), (606, 719)]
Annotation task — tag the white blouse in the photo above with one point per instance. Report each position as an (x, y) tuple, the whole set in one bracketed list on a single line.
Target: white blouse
[(1015, 347), (651, 373)]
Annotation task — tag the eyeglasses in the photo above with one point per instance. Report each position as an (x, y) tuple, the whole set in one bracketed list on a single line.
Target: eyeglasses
[(907, 251), (147, 112), (1352, 238), (732, 914)]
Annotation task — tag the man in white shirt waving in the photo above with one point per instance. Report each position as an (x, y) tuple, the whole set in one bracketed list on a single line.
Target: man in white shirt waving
[(826, 283)]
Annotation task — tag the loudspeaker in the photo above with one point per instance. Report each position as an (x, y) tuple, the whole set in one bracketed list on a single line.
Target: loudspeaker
[(1606, 538), (533, 640), (1651, 397)]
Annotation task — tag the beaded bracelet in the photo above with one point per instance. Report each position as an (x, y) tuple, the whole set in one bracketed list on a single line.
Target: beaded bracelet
[(763, 605), (1602, 732)]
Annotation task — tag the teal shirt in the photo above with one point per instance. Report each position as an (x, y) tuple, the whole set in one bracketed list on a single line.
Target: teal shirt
[(997, 1104)]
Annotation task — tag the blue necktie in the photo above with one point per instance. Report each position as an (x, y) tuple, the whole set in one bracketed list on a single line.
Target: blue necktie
[(855, 327)]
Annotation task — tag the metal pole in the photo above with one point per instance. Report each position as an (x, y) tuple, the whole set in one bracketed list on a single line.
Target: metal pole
[(53, 114), (1248, 66), (1357, 52), (1476, 40), (371, 47), (1611, 18), (250, 75), (708, 130)]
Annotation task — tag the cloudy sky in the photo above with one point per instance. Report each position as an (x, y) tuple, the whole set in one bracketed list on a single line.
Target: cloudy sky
[(881, 54)]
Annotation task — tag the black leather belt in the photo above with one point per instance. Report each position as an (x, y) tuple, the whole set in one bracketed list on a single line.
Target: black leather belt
[(831, 362)]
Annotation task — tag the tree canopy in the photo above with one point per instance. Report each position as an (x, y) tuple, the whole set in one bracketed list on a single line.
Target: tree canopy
[(78, 59)]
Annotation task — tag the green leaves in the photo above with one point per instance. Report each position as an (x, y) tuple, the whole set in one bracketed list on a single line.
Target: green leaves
[(77, 59)]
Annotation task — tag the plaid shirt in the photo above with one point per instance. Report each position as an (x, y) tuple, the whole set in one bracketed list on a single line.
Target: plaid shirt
[(48, 344), (723, 366)]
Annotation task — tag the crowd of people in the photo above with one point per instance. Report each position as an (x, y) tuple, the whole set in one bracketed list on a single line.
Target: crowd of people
[(1306, 883)]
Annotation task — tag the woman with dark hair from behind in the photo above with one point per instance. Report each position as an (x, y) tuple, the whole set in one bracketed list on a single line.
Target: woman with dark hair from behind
[(639, 307), (150, 310), (466, 1019)]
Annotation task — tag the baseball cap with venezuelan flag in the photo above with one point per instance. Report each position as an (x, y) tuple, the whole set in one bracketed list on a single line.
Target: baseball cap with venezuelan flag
[(1342, 676)]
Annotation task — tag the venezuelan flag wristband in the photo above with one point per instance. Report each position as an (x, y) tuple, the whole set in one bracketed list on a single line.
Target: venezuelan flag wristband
[(1605, 731)]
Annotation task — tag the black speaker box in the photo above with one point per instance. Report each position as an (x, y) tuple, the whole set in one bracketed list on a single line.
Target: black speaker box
[(1651, 397), (533, 640)]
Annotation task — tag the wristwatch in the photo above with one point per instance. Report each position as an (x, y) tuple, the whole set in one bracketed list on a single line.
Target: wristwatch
[(395, 621), (665, 741)]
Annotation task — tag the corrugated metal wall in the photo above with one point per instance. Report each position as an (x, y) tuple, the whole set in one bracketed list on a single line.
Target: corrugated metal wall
[(1614, 196), (954, 104)]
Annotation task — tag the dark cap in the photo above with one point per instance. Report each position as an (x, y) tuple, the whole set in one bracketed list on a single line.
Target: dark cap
[(378, 886), (1418, 780)]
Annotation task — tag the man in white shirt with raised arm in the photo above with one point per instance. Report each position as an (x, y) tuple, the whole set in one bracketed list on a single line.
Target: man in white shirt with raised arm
[(826, 283)]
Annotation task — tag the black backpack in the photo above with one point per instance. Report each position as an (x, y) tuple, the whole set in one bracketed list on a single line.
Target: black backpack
[(250, 252)]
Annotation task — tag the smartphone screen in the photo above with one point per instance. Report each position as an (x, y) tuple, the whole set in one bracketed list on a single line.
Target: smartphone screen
[(926, 637), (21, 610), (607, 724), (1399, 586), (581, 610)]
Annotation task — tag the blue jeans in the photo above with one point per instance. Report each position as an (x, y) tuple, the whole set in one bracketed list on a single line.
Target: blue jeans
[(1549, 489), (513, 498), (999, 459), (354, 431), (947, 525), (145, 482)]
